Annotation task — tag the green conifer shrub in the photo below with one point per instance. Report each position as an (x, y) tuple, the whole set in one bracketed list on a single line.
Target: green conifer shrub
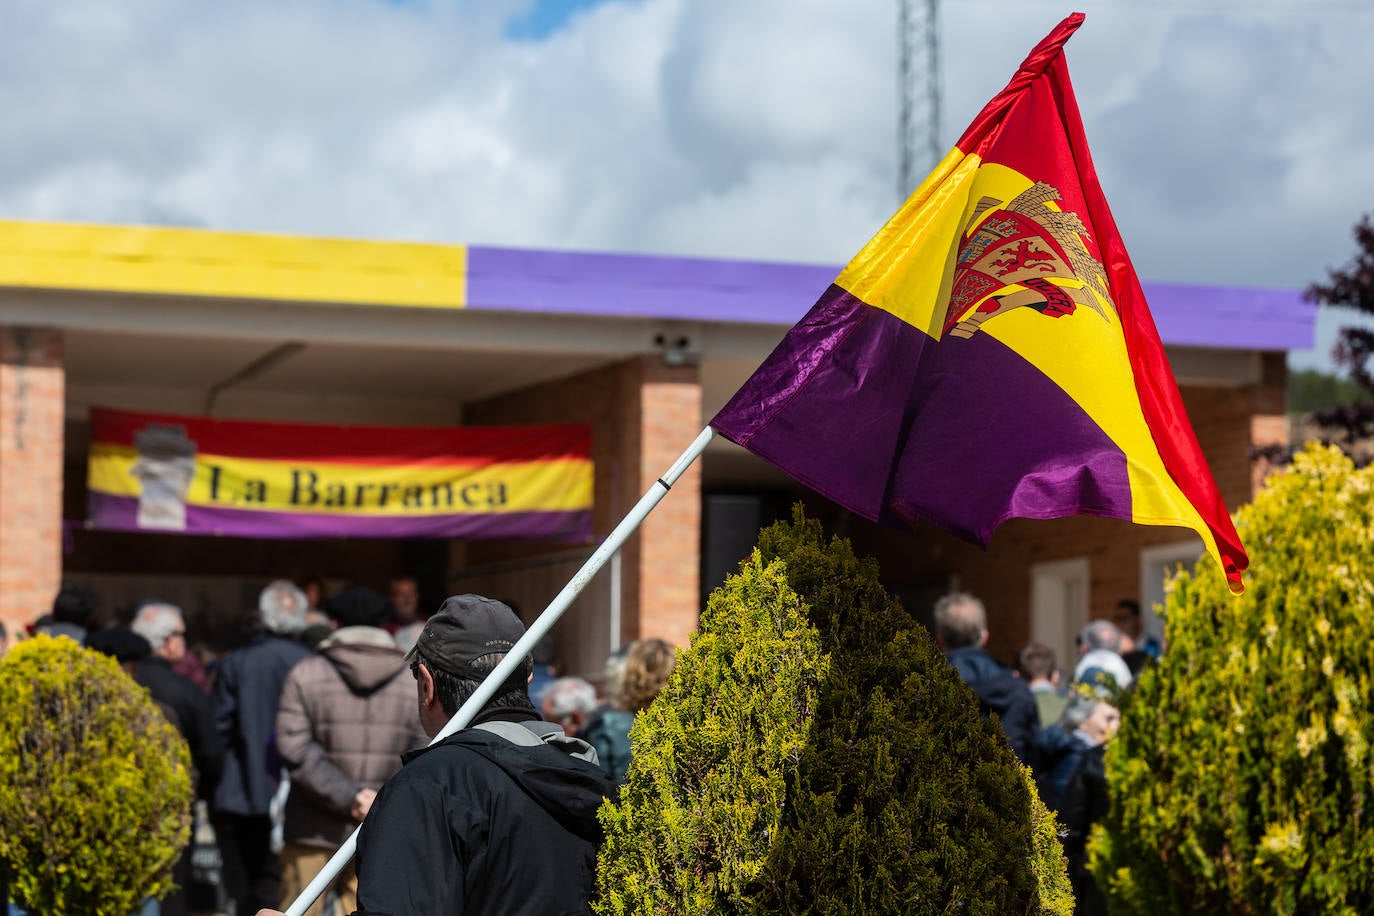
[(95, 787), (813, 752), (1241, 778)]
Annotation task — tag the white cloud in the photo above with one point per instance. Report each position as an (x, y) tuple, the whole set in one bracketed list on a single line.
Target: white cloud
[(1231, 142), (793, 211)]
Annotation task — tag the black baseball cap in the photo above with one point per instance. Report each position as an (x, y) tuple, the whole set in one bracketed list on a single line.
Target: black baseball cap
[(466, 628)]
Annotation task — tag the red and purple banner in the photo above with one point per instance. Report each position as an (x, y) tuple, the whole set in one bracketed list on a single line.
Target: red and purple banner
[(171, 474)]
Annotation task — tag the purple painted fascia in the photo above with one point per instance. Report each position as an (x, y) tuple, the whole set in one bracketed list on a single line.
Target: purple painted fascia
[(642, 286), (758, 292), (1232, 317)]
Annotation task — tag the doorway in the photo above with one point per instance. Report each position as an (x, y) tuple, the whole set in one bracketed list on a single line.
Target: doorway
[(1059, 606)]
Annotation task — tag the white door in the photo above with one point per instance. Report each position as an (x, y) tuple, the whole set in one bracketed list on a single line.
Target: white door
[(1156, 564), (1059, 607)]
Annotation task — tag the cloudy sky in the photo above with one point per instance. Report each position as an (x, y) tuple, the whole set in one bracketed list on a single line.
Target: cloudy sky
[(1232, 136)]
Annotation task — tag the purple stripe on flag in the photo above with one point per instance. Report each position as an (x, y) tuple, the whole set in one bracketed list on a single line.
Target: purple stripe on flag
[(120, 513), (963, 433)]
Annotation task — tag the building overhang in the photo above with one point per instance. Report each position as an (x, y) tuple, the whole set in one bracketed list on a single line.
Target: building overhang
[(196, 309), (196, 266)]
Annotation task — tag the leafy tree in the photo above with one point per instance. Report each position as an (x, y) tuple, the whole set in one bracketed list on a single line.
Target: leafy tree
[(813, 752), (1242, 773), (95, 787), (1312, 389), (1338, 412), (1352, 287)]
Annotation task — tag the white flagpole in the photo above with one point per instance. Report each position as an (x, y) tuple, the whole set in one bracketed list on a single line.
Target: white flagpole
[(524, 647)]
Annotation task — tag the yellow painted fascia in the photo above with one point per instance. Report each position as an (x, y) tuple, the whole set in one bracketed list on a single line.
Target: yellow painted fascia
[(233, 265)]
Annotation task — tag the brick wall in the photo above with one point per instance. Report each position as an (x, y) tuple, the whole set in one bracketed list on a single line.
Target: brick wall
[(31, 425), (642, 414)]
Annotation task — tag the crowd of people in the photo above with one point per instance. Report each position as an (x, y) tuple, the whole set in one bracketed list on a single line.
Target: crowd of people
[(1057, 726), (319, 720), (293, 732)]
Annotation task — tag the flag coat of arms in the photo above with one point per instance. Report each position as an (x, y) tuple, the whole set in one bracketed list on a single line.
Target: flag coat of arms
[(989, 353)]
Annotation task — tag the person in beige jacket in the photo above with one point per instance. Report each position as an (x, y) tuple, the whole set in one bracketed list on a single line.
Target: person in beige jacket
[(346, 716)]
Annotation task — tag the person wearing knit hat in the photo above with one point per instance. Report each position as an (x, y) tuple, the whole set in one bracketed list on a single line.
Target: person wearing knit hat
[(122, 644), (357, 607)]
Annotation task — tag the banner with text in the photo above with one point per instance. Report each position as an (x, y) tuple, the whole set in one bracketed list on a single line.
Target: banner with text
[(151, 472)]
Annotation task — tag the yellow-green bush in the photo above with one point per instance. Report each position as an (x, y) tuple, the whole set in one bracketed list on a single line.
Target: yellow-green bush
[(813, 752), (1240, 777), (95, 788)]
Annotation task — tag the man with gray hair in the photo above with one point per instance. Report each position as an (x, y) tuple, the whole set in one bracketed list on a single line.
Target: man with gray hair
[(1099, 648), (247, 693), (282, 607), (961, 629), (569, 702), (164, 629)]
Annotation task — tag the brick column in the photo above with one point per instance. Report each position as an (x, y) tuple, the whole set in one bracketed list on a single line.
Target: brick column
[(32, 410), (669, 561), (643, 414), (1269, 424)]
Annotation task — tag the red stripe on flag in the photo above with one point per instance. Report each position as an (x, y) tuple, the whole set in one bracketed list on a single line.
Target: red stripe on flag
[(1160, 400), (987, 125)]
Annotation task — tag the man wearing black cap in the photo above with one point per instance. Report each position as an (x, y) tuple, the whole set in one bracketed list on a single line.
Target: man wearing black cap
[(498, 818)]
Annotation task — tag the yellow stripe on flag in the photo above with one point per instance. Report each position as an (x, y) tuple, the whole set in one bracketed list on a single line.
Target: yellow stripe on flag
[(908, 267), (1085, 354)]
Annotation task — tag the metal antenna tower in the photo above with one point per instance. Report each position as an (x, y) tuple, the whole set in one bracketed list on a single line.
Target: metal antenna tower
[(918, 92)]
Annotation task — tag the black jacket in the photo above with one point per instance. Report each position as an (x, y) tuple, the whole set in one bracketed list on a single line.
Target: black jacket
[(192, 710), (247, 692), (1084, 804), (1058, 757), (1001, 692), (480, 825)]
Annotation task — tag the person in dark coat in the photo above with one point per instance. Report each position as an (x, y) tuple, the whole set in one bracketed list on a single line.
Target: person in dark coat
[(498, 818), (71, 615), (961, 629), (162, 625), (165, 630), (247, 693), (1077, 788), (1084, 804), (1061, 747), (644, 672), (606, 723)]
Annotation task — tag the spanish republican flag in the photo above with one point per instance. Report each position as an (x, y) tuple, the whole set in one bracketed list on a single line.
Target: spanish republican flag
[(989, 354)]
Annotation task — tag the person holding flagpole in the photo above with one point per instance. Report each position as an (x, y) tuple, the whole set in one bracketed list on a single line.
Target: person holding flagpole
[(498, 818)]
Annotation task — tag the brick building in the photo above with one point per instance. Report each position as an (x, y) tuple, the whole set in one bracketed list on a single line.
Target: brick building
[(644, 349)]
